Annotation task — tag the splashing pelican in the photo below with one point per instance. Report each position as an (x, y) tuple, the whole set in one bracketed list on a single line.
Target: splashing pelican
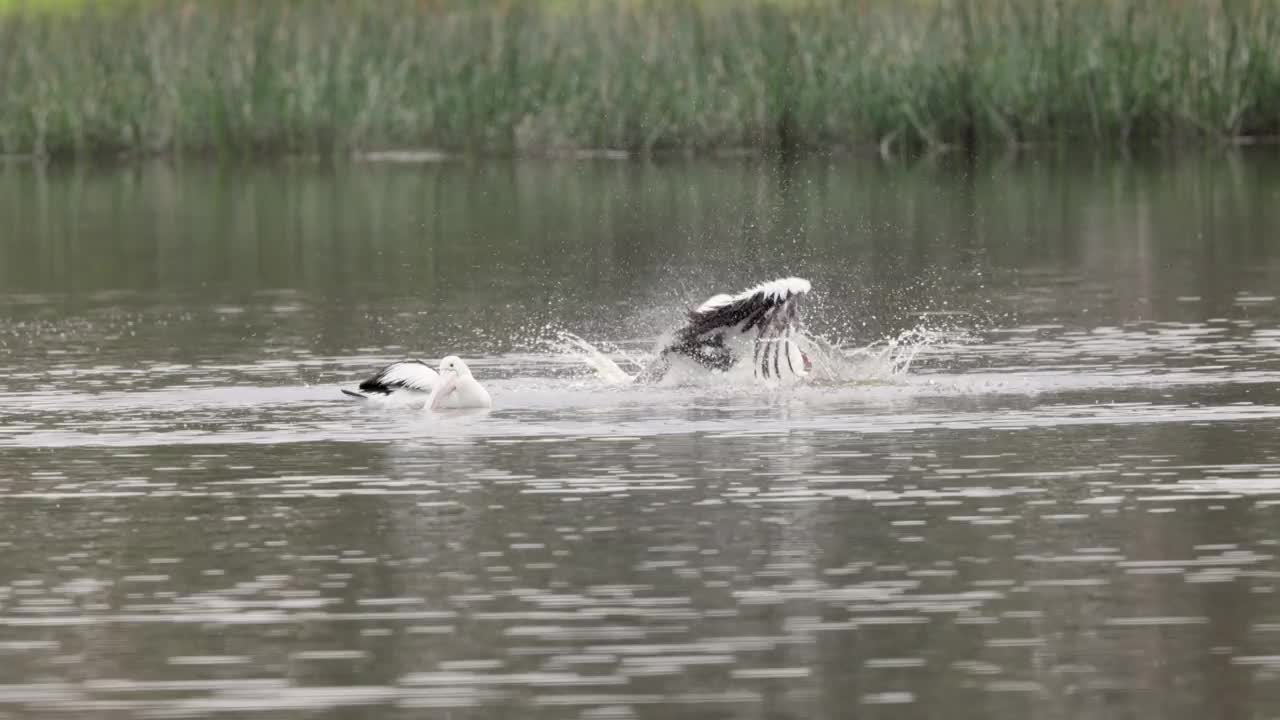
[(748, 335)]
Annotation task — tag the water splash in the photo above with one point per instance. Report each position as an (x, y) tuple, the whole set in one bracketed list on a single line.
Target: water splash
[(593, 357), (879, 361)]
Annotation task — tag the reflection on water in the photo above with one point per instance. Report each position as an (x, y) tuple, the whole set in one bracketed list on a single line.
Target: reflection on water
[(1067, 507)]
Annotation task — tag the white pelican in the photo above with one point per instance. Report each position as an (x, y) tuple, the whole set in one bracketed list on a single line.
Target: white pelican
[(748, 335), (457, 388), (728, 331)]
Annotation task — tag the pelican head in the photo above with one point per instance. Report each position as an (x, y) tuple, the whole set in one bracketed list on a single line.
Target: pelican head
[(453, 364), (457, 389)]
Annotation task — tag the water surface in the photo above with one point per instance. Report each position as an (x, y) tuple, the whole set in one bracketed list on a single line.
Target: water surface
[(1066, 507)]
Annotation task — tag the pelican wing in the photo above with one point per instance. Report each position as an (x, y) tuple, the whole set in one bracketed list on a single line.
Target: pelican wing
[(764, 315), (412, 375)]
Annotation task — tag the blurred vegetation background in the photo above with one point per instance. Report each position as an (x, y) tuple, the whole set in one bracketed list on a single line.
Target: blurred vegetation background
[(551, 76)]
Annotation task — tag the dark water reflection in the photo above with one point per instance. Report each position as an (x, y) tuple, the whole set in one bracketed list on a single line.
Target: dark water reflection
[(1070, 513)]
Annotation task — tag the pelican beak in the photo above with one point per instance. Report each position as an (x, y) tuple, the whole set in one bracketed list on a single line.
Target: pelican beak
[(445, 386)]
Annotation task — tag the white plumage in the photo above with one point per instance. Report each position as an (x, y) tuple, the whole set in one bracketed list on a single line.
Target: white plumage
[(772, 291), (409, 374), (457, 388), (414, 383), (403, 382)]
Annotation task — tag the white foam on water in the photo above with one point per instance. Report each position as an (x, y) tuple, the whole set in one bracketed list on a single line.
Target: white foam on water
[(879, 361)]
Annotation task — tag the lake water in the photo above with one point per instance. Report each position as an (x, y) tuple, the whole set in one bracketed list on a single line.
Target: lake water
[(1068, 505)]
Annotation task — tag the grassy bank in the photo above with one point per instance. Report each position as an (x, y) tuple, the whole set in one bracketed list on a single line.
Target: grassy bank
[(244, 76)]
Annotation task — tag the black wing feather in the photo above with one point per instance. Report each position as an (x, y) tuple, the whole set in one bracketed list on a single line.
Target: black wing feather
[(770, 309), (393, 377)]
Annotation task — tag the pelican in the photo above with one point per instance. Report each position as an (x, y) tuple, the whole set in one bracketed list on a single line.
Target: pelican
[(747, 335), (457, 387), (413, 382)]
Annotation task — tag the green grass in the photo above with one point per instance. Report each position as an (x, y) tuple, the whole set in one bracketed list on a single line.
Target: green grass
[(251, 76)]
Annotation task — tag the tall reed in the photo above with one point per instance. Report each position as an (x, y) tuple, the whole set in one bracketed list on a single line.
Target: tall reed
[(248, 76)]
